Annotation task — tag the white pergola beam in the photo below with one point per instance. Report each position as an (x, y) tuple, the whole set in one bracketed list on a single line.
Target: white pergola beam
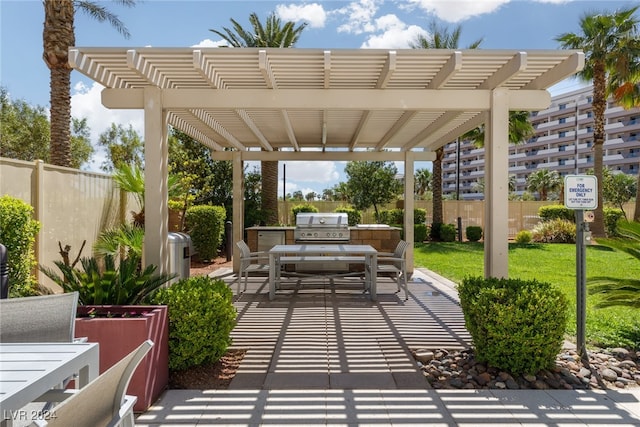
[(333, 156), (450, 68), (329, 99), (508, 71)]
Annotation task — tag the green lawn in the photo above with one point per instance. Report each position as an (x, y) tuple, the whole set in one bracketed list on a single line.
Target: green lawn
[(554, 263)]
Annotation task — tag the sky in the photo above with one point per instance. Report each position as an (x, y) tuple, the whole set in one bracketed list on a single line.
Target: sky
[(502, 24)]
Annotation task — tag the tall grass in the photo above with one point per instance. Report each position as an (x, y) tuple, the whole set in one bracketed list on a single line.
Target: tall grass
[(556, 264)]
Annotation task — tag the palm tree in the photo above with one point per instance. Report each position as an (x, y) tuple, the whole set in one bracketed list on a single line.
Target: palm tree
[(544, 181), (440, 38), (273, 34), (614, 290), (58, 36), (610, 44), (422, 182)]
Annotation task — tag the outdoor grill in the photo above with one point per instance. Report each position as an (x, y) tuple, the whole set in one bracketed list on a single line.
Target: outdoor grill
[(322, 227)]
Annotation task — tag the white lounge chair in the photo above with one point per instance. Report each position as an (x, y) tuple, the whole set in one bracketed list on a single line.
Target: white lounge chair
[(101, 403), (251, 262)]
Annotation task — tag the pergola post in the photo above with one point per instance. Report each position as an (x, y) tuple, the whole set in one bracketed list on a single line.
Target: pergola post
[(156, 155), (496, 186), (409, 207), (238, 207)]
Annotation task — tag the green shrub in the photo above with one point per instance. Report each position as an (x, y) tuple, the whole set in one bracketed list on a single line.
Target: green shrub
[(448, 233), (353, 215), (396, 216), (473, 233), (205, 225), (201, 317), (516, 325), (306, 207), (611, 218), (554, 231), (523, 236), (392, 216), (419, 216), (551, 212), (419, 233), (434, 231), (18, 232)]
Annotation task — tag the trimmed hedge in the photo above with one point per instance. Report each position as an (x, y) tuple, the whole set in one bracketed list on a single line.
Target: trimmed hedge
[(516, 325), (18, 232), (551, 212), (473, 233), (448, 233), (205, 225), (354, 216), (396, 216), (201, 318)]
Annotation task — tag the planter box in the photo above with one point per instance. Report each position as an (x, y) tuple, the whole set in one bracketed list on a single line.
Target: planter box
[(118, 336)]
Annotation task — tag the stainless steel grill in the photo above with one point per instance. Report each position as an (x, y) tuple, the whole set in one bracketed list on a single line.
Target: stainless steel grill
[(322, 227)]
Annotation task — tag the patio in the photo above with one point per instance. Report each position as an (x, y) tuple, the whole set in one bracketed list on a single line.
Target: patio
[(326, 355)]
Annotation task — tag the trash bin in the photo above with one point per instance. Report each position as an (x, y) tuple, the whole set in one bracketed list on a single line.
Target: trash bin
[(179, 255)]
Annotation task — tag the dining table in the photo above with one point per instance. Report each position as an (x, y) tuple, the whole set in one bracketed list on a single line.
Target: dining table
[(29, 370), (280, 255)]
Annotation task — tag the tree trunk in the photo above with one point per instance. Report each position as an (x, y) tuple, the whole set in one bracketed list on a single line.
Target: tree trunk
[(599, 106), (269, 171), (58, 36), (437, 216), (636, 212)]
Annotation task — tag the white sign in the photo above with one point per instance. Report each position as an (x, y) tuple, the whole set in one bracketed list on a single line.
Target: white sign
[(580, 192)]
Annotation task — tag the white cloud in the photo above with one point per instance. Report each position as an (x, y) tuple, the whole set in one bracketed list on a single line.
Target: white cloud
[(86, 103), (360, 16), (458, 10), (211, 43), (313, 13), (316, 171), (395, 34)]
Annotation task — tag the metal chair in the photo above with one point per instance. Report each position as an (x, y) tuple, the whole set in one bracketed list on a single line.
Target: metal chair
[(101, 403), (251, 262), (47, 318), (394, 263)]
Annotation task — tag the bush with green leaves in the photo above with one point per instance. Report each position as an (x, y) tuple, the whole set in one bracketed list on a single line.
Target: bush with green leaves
[(18, 232), (611, 218), (448, 233), (524, 236), (305, 207), (205, 225), (516, 325), (201, 318), (554, 231), (354, 216), (396, 216), (102, 281), (419, 233), (551, 212), (434, 231), (473, 233)]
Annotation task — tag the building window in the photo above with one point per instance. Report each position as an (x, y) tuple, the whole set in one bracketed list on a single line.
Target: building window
[(589, 114), (562, 148), (562, 134), (562, 120), (590, 99), (562, 106)]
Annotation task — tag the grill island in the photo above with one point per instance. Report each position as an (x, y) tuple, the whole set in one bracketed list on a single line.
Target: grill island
[(322, 228)]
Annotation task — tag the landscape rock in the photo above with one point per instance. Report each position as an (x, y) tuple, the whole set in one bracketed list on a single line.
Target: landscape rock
[(613, 369)]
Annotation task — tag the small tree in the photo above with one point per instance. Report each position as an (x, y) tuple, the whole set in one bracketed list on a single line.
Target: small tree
[(619, 188), (372, 184)]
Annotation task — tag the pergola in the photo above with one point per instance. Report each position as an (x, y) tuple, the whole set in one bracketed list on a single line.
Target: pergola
[(336, 105)]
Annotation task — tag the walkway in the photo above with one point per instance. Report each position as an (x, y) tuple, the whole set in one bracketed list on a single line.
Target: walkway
[(322, 353)]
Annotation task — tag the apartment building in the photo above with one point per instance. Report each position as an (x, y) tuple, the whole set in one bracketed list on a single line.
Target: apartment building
[(563, 142)]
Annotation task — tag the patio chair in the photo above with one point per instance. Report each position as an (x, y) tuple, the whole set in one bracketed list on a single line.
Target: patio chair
[(251, 262), (394, 263), (101, 403), (47, 318)]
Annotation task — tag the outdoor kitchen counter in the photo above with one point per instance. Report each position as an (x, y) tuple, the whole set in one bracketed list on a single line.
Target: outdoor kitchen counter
[(383, 239)]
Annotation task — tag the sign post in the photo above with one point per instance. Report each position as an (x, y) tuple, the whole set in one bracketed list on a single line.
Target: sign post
[(580, 194)]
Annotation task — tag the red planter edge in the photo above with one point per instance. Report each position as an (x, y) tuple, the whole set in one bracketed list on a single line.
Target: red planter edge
[(118, 336)]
